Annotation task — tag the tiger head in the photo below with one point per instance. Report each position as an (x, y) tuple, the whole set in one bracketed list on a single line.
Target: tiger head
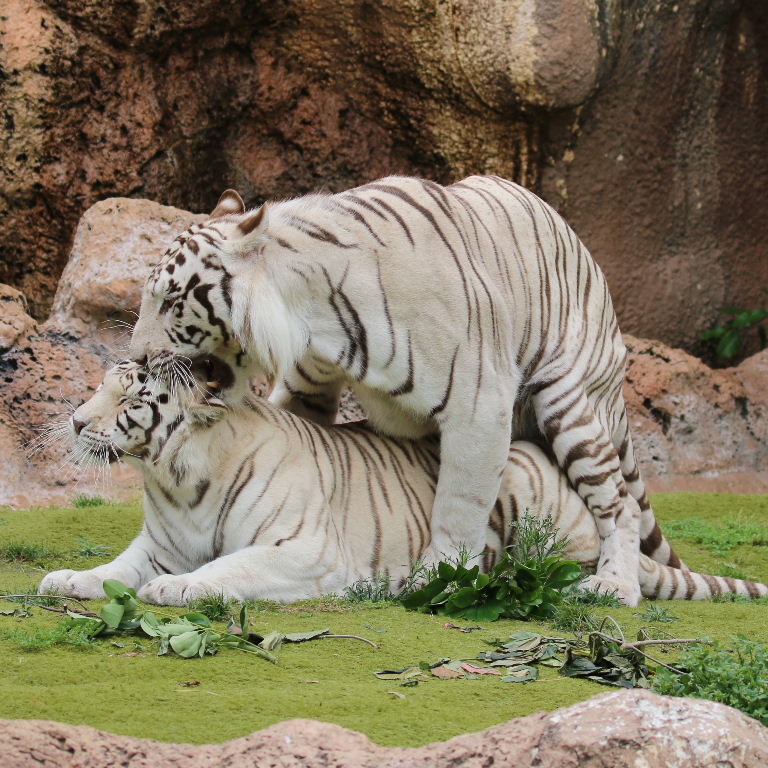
[(190, 304), (133, 414)]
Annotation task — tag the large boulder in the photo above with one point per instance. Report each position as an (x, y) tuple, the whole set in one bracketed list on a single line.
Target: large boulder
[(624, 729), (48, 369), (697, 428)]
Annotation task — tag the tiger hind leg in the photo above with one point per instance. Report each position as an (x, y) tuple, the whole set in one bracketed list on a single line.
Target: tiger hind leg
[(585, 452), (653, 543)]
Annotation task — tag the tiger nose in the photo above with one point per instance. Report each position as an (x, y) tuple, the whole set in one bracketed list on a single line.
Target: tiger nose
[(79, 425)]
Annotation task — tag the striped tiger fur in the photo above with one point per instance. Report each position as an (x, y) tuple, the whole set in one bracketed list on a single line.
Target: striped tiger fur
[(472, 311), (253, 502)]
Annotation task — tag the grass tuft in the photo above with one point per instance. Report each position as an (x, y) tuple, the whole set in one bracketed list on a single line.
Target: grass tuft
[(575, 617), (215, 606), (20, 552), (86, 549), (732, 674), (373, 590), (657, 613), (41, 638), (81, 500)]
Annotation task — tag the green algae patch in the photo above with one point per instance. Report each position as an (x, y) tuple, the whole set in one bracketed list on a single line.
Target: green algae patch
[(119, 684)]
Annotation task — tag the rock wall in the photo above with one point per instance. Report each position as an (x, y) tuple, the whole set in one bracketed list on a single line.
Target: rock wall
[(643, 122), (623, 729), (694, 428)]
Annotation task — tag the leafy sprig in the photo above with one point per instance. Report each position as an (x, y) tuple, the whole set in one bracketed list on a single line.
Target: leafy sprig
[(526, 583)]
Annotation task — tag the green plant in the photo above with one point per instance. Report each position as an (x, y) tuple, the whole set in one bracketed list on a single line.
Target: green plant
[(86, 549), (82, 500), (590, 597), (215, 606), (20, 552), (526, 582), (727, 337), (188, 635), (737, 676), (658, 613), (574, 617), (377, 589)]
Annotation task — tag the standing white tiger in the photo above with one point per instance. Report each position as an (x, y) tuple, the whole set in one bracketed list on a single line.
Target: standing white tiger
[(471, 310)]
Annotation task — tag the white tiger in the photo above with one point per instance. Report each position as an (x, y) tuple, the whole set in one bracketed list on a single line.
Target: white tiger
[(471, 310), (253, 502)]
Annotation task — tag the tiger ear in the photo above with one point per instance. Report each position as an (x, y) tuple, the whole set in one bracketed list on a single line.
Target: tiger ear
[(229, 203), (256, 221)]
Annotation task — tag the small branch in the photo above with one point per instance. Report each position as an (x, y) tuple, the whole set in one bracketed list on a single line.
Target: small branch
[(657, 661), (351, 637), (30, 598), (625, 646), (65, 608)]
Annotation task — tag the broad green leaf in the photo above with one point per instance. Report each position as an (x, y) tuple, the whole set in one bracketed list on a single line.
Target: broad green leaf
[(186, 644), (197, 618), (522, 674), (114, 589), (482, 581), (490, 610), (112, 613), (463, 598), (446, 571), (272, 641), (150, 625), (523, 641), (565, 574), (729, 344), (423, 596)]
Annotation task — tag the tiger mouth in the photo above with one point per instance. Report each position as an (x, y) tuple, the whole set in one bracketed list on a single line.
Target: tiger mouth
[(215, 373)]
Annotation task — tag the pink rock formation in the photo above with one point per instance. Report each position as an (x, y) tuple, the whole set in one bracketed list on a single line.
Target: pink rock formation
[(643, 122), (623, 729)]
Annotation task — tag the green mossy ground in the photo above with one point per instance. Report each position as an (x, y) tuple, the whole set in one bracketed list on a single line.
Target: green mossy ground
[(143, 695)]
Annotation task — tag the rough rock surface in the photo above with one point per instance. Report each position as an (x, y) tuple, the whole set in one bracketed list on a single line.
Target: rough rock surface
[(625, 729), (694, 428), (116, 243), (643, 122)]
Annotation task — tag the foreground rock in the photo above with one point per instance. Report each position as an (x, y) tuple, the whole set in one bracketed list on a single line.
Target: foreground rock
[(625, 729), (694, 428)]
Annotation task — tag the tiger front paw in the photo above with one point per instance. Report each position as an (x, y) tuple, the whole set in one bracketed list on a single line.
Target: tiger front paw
[(179, 590), (84, 585)]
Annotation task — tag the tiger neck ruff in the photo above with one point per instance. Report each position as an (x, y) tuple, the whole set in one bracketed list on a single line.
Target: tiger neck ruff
[(472, 311)]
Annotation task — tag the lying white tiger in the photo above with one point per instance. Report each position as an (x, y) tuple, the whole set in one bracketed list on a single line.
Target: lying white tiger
[(471, 310), (256, 503)]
